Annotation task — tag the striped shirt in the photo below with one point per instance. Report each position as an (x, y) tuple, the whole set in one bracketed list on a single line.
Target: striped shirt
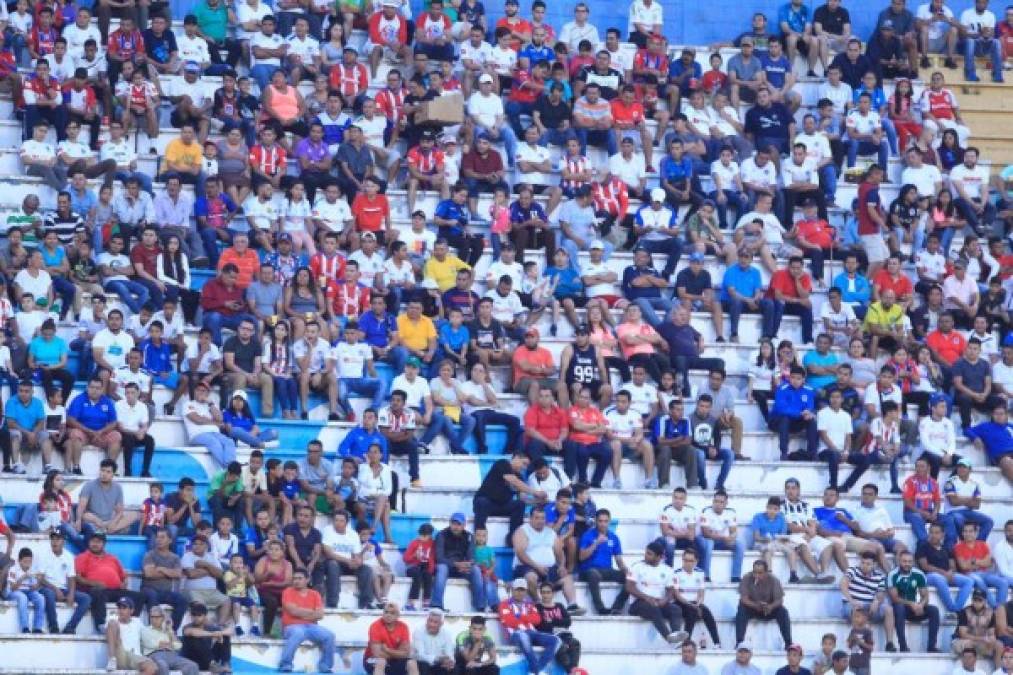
[(862, 588), (598, 110), (796, 513), (578, 164)]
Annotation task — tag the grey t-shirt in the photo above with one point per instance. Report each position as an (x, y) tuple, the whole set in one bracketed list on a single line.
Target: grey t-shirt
[(317, 475), (102, 500), (724, 399), (745, 70), (580, 220), (206, 583), (167, 559), (265, 296), (973, 374)]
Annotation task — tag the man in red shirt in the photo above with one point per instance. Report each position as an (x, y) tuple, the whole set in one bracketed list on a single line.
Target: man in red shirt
[(922, 500), (348, 299), (388, 32), (101, 576), (223, 304), (432, 33), (532, 366), (790, 289), (301, 611), (893, 279), (144, 258), (974, 559), (371, 211), (425, 169), (946, 344), (872, 220), (586, 441), (519, 27), (328, 264), (390, 645), (546, 426), (815, 237), (43, 100), (528, 83), (629, 119)]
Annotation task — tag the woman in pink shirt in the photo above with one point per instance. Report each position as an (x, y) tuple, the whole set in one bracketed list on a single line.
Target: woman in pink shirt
[(641, 344)]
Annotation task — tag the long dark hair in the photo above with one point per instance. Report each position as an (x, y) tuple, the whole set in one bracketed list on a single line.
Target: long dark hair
[(286, 343), (897, 96), (47, 484), (172, 264), (769, 362)]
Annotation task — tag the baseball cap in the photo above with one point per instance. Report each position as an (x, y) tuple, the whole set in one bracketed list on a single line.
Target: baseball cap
[(368, 235), (964, 461), (658, 195), (391, 3), (959, 262), (795, 647), (56, 533), (937, 398), (125, 602), (696, 256), (191, 67), (485, 78), (414, 361), (597, 244), (284, 236), (744, 646), (436, 611), (519, 583), (428, 135), (239, 393), (447, 139), (978, 594), (583, 329), (459, 518)]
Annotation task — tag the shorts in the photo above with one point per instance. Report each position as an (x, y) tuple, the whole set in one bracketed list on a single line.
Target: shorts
[(848, 607), (629, 450), (579, 301), (610, 300), (852, 543), (552, 577), (776, 546), (211, 598), (243, 601), (632, 134), (875, 247), (129, 660), (837, 43), (785, 251), (937, 45), (523, 384), (817, 544), (105, 440), (801, 46), (39, 436), (594, 387)]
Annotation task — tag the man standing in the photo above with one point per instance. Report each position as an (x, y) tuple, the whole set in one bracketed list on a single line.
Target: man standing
[(302, 608)]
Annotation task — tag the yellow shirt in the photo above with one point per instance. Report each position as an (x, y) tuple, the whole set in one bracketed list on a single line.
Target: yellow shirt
[(178, 152), (415, 334), (885, 318), (445, 273)]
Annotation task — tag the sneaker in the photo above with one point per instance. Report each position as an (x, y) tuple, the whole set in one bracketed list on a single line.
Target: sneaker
[(334, 417), (255, 631), (409, 607), (825, 579), (574, 610), (77, 471), (19, 469), (416, 483), (46, 468), (68, 631), (736, 580), (972, 78), (793, 578), (950, 63), (239, 631), (651, 484), (734, 339), (891, 647), (719, 338), (8, 469), (807, 579), (111, 664), (553, 329), (38, 631), (998, 80), (924, 62), (677, 637), (424, 448), (617, 484)]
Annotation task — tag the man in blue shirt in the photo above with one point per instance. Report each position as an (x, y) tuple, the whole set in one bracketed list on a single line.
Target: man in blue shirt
[(91, 420), (770, 125), (770, 534), (677, 178), (794, 411), (797, 32), (642, 286), (379, 329), (357, 441), (780, 78), (674, 439), (596, 551), (26, 425), (855, 288), (742, 291), (996, 439), (821, 365)]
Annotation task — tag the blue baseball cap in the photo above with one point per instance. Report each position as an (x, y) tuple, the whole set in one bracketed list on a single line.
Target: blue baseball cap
[(937, 398), (459, 518)]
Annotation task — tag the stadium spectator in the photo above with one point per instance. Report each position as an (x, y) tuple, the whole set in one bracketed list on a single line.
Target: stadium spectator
[(103, 577), (761, 598), (940, 569), (909, 593), (455, 558)]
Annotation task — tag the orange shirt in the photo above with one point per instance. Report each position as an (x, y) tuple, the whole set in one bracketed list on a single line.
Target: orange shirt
[(588, 415), (626, 116), (370, 213), (625, 330), (949, 347), (548, 423), (392, 638), (517, 25), (782, 280), (816, 232), (901, 286), (104, 568), (308, 599), (977, 550), (248, 264), (540, 356)]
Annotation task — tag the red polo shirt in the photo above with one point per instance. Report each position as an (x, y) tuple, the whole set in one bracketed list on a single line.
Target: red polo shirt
[(549, 423)]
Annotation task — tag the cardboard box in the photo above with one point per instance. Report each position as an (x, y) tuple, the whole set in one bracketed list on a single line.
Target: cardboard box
[(443, 110)]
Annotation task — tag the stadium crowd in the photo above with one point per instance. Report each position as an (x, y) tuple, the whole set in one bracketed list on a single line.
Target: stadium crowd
[(286, 196)]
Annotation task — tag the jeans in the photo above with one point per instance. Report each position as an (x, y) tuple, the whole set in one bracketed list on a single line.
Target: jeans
[(594, 576), (127, 290), (991, 48), (82, 601), (982, 580), (397, 358), (666, 619), (649, 306), (483, 508), (441, 424), (954, 521), (514, 110), (571, 249), (57, 117), (902, 614), (363, 581), (828, 181), (296, 634), (966, 209), (577, 457), (862, 462), (219, 507), (177, 601), (483, 418), (366, 386), (682, 364), (476, 584), (673, 545), (262, 74), (743, 615), (964, 584), (527, 640), (725, 456), (785, 426), (23, 599), (221, 447), (736, 200), (672, 247), (408, 447), (601, 137), (805, 315), (735, 307), (85, 360), (557, 137), (215, 321), (142, 178), (287, 390), (867, 148), (707, 548)]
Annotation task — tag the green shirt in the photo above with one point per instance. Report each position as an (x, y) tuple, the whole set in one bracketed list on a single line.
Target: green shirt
[(212, 22), (219, 479), (907, 585)]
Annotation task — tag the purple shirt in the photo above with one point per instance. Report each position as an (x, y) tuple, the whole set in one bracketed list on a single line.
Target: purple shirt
[(314, 153)]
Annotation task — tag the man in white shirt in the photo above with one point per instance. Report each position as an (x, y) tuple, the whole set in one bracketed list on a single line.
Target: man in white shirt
[(630, 168), (925, 177), (302, 60), (534, 162), (267, 49), (59, 584), (865, 133), (39, 158), (939, 30), (117, 148), (315, 372), (342, 551), (133, 419), (79, 32), (123, 640), (835, 90), (645, 19), (191, 46), (475, 59), (355, 372), (962, 496), (874, 522), (980, 39), (801, 179), (651, 583), (579, 29), (489, 116), (759, 174), (817, 148), (1002, 552), (971, 183)]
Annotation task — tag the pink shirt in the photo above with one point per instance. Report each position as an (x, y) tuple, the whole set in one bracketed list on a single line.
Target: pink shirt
[(625, 330)]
